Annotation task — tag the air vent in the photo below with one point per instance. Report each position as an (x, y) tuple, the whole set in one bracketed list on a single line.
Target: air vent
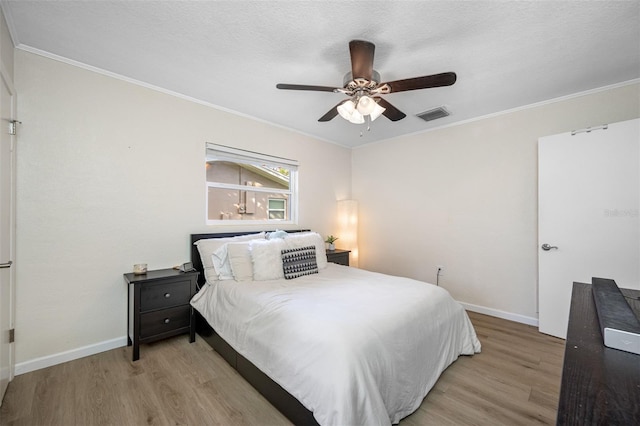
[(433, 114)]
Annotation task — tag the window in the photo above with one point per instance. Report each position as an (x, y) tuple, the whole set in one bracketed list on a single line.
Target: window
[(248, 186), (277, 208)]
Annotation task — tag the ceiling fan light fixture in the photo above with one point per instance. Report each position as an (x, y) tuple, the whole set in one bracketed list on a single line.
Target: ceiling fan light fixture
[(356, 117), (354, 110), (366, 105), (377, 111), (346, 109)]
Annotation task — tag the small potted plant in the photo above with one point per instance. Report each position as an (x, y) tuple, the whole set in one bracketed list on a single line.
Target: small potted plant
[(331, 241)]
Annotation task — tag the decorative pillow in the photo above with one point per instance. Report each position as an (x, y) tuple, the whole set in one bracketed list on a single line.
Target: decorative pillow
[(304, 239), (277, 234), (299, 261), (206, 247), (240, 260), (220, 260), (266, 258)]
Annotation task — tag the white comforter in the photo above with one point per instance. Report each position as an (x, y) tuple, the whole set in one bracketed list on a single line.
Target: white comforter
[(354, 347)]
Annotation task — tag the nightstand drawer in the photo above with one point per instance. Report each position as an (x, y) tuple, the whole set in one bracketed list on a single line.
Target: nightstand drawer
[(164, 295), (338, 256), (159, 322)]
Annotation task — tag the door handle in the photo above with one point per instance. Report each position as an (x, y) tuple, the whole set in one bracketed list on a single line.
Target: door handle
[(547, 247), (6, 265)]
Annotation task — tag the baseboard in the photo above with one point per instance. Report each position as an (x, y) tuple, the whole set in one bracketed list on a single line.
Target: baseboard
[(500, 314), (59, 358)]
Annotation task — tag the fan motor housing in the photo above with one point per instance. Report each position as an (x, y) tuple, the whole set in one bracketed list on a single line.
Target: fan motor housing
[(348, 78)]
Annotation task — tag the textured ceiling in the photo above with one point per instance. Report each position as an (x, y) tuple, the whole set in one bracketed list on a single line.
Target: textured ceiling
[(231, 54)]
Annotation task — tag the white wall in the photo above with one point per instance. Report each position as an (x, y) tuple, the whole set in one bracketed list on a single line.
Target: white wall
[(111, 174), (465, 197), (6, 49)]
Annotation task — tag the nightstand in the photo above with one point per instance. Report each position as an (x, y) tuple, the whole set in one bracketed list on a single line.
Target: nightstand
[(159, 306), (338, 256)]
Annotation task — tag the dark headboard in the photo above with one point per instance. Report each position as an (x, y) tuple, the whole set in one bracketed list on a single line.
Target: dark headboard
[(195, 255)]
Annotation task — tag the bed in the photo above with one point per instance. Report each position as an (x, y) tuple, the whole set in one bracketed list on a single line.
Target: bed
[(334, 346)]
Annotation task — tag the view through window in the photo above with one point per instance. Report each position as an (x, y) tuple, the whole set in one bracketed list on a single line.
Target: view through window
[(249, 186)]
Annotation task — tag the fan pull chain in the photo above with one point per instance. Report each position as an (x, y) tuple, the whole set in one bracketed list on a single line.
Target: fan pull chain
[(368, 125)]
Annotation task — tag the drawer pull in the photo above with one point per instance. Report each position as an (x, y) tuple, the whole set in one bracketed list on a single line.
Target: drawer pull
[(167, 295), (167, 320)]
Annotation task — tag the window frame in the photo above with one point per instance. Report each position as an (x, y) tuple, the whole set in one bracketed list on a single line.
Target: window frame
[(240, 156), (269, 209)]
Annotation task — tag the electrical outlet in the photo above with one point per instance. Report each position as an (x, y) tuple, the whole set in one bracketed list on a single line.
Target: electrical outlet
[(440, 270)]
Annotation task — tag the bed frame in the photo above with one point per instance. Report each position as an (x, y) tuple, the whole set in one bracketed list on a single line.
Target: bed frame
[(273, 392)]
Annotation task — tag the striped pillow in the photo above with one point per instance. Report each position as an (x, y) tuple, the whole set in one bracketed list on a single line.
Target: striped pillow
[(299, 261)]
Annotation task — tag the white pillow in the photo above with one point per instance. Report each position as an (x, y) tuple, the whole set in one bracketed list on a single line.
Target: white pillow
[(304, 239), (266, 257), (240, 260), (206, 247), (220, 260), (277, 234)]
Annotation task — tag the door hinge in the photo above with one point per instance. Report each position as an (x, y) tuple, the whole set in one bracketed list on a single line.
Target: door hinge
[(13, 124), (12, 335)]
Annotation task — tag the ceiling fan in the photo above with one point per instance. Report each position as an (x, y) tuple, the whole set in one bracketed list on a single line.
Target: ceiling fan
[(364, 88)]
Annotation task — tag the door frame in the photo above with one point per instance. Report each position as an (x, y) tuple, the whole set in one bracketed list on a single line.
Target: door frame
[(6, 80)]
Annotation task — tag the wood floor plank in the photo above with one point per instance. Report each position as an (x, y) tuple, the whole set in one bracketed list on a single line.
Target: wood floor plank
[(140, 406), (49, 405), (491, 381), (515, 380)]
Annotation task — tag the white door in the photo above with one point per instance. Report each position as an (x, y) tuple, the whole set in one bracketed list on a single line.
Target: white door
[(7, 235), (588, 213)]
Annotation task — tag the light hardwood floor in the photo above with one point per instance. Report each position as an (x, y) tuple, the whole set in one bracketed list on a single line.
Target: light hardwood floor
[(514, 381)]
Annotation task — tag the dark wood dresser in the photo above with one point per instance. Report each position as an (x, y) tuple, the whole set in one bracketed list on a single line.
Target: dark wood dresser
[(600, 385), (338, 256), (159, 306)]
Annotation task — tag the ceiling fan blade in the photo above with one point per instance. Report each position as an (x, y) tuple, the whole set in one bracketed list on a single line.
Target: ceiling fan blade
[(391, 112), (330, 115), (361, 58), (435, 80), (305, 87)]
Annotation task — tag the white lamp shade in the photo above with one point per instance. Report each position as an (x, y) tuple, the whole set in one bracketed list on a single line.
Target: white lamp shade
[(366, 105), (377, 111), (348, 228), (346, 109), (355, 113), (356, 117)]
